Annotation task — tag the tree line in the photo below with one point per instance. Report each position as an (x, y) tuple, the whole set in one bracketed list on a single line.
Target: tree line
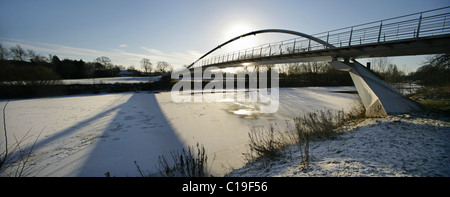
[(21, 65), (434, 72), (312, 74)]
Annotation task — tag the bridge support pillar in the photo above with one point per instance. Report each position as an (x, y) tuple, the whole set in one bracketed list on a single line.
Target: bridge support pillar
[(378, 97)]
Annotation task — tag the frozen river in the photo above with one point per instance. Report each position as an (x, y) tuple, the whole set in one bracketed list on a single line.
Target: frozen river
[(89, 135)]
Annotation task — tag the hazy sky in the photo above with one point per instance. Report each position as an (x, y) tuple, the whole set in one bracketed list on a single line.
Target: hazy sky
[(177, 31)]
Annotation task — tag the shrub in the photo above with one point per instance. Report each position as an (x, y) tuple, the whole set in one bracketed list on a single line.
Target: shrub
[(317, 125), (188, 163), (264, 142)]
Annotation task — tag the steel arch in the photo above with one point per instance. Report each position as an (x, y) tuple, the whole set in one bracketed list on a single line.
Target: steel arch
[(266, 31)]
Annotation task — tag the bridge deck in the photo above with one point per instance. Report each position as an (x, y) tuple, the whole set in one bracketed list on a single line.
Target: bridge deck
[(414, 34), (423, 46)]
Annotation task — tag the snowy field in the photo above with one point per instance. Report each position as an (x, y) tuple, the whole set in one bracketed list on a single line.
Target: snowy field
[(89, 135)]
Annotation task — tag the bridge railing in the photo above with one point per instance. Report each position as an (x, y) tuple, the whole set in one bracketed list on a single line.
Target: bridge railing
[(413, 26)]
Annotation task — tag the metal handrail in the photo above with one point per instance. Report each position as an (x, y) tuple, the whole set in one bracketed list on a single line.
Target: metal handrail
[(412, 26)]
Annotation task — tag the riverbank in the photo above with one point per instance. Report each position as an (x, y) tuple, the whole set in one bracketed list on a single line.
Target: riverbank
[(401, 145)]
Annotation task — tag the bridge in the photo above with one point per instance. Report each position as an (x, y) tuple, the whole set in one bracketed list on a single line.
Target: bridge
[(420, 33)]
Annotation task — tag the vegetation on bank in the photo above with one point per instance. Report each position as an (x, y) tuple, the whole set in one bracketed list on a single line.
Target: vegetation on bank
[(185, 163), (266, 142), (434, 77), (436, 98)]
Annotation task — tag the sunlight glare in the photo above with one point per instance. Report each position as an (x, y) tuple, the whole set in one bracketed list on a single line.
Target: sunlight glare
[(236, 30), (243, 43)]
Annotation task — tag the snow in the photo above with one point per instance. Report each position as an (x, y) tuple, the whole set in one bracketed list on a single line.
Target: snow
[(89, 135), (401, 145)]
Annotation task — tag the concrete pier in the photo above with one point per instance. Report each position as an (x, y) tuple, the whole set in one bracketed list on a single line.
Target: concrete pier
[(378, 97)]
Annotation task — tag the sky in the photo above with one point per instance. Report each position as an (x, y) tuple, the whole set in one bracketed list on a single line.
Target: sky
[(178, 31)]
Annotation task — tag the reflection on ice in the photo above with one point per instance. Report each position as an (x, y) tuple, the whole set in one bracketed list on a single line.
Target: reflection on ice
[(244, 112)]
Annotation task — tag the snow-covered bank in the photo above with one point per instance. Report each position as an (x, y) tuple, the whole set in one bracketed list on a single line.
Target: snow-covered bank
[(89, 135), (403, 145)]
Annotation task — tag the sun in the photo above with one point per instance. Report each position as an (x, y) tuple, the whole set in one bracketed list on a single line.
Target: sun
[(236, 30)]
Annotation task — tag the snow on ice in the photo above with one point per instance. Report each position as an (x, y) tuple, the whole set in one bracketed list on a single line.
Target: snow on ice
[(90, 135)]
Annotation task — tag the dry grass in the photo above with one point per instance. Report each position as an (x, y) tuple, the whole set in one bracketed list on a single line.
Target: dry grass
[(190, 163), (266, 142)]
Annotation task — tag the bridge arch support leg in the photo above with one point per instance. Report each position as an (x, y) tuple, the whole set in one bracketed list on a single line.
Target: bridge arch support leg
[(378, 97)]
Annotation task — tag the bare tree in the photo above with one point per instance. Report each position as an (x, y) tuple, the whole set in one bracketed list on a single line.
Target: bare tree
[(18, 53), (314, 67), (131, 67), (381, 64), (33, 57), (30, 54), (284, 68), (146, 65), (3, 53), (293, 68), (257, 67), (121, 67), (105, 61), (163, 67), (305, 68)]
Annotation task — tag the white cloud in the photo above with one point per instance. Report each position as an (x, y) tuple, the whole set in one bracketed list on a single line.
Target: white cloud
[(153, 51), (65, 51), (120, 56)]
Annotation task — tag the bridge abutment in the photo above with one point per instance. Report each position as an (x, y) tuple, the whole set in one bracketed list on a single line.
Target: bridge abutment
[(378, 97)]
